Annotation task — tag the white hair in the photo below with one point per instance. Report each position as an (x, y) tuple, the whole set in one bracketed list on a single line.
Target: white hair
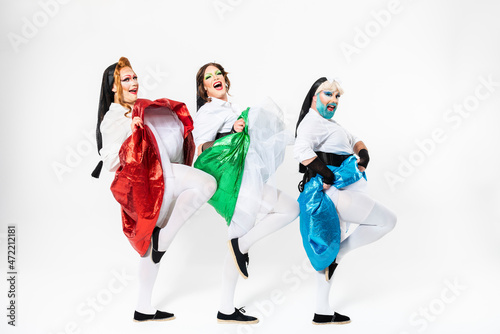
[(327, 85)]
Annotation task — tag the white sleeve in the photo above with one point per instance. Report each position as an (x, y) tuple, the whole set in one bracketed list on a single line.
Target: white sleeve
[(308, 138), (206, 125), (114, 132), (352, 139)]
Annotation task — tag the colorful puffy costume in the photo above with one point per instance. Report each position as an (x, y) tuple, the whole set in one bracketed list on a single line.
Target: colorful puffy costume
[(319, 221), (139, 184)]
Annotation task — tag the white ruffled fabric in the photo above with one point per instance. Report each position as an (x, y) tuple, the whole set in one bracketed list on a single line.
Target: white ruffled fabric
[(268, 139)]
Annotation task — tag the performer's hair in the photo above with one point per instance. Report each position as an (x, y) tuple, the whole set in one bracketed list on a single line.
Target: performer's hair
[(201, 93), (122, 63), (110, 76), (330, 85)]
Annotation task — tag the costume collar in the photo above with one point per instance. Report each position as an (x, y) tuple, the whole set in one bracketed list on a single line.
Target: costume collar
[(220, 102), (116, 107)]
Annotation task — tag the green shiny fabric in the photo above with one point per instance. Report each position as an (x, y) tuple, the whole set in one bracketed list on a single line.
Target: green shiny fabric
[(225, 161)]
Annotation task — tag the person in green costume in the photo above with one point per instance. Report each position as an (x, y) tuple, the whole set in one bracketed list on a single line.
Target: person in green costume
[(241, 148)]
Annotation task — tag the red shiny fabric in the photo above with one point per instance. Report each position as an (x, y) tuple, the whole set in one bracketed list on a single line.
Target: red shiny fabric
[(139, 185)]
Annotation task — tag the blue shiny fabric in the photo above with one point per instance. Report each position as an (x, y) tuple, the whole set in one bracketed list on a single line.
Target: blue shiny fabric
[(319, 221)]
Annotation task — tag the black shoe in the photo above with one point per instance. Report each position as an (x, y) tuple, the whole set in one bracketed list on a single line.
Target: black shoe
[(158, 316), (156, 255), (335, 319), (329, 271), (236, 318), (240, 259)]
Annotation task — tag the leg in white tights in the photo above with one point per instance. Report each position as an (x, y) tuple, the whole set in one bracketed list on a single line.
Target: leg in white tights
[(283, 212), (379, 222), (148, 270), (190, 189), (374, 219), (323, 294)]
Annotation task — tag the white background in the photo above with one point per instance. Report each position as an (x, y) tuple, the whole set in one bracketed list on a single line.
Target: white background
[(414, 61)]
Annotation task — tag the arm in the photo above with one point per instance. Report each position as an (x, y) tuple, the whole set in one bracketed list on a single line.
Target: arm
[(320, 168), (238, 126), (308, 138), (114, 132), (208, 123), (362, 152)]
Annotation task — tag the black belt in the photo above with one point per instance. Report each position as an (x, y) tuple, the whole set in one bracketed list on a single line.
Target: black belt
[(222, 134), (332, 158)]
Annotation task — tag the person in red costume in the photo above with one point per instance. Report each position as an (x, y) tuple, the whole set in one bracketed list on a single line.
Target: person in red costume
[(149, 146)]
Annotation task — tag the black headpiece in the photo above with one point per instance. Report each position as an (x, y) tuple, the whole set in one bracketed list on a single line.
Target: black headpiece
[(305, 109), (308, 100), (199, 100), (107, 97)]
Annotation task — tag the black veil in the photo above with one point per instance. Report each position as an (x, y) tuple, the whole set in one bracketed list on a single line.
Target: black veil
[(199, 100), (305, 109), (105, 100), (308, 100)]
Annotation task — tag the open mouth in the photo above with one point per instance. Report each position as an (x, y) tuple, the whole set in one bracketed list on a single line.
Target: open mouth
[(133, 91), (217, 85), (330, 107)]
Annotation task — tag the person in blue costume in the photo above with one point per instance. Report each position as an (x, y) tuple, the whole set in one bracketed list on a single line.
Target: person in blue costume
[(333, 190)]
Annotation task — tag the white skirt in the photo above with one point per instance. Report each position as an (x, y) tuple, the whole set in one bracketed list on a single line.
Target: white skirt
[(268, 139)]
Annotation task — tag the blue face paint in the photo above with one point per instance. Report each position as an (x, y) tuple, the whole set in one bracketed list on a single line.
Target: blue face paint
[(322, 109)]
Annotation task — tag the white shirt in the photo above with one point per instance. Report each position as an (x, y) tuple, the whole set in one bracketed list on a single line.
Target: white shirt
[(214, 117), (115, 128), (316, 133)]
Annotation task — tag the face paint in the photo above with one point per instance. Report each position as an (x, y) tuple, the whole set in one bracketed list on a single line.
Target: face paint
[(215, 83), (323, 109)]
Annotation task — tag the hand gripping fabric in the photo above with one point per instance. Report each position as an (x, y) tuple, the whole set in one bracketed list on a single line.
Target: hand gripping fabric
[(225, 161), (319, 221), (139, 184)]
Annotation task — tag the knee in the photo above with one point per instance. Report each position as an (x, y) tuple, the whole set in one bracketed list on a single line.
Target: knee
[(294, 211), (290, 208), (390, 221), (207, 185), (383, 217), (210, 186)]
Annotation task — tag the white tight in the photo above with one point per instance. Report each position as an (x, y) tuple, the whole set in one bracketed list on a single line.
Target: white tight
[(248, 232), (185, 193), (354, 205)]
